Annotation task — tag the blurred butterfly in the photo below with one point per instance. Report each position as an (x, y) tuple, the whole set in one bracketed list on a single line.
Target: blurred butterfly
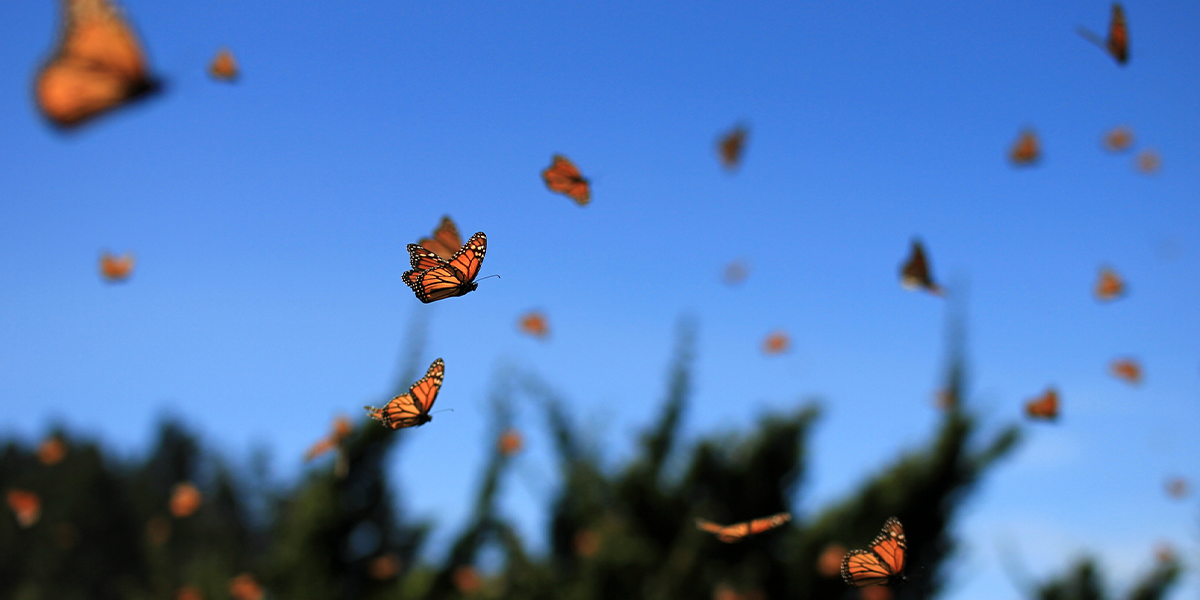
[(26, 506), (776, 343), (730, 147), (563, 177), (223, 66), (245, 587), (510, 442), (115, 268), (534, 323), (185, 499), (882, 563), (1118, 139), (1148, 162), (1117, 43), (738, 531), (1177, 487), (98, 65), (1109, 286), (411, 409), (914, 273), (1044, 406), (1026, 150), (52, 450), (736, 272), (1126, 369), (445, 241), (432, 278)]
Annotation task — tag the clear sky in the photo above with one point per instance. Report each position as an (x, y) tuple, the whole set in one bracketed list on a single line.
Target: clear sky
[(270, 217)]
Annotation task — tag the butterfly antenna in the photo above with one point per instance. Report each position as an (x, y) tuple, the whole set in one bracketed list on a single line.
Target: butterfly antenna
[(488, 277), (442, 410)]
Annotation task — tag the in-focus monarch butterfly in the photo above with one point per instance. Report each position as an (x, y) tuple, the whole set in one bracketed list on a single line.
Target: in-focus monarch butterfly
[(411, 409), (776, 342), (445, 241), (1117, 43), (98, 65), (1118, 139), (730, 147), (1126, 369), (433, 278), (1027, 150), (1044, 406), (223, 66), (738, 531), (914, 273), (534, 323), (1109, 286), (882, 563), (115, 268), (1148, 162), (563, 177)]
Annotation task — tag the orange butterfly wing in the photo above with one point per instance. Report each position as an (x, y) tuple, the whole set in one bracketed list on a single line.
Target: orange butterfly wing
[(1109, 286), (411, 409), (1026, 150), (1044, 406), (563, 177), (422, 258), (448, 278), (445, 241), (731, 146), (883, 563), (98, 66), (914, 273), (738, 531), (1118, 35), (115, 268), (223, 66)]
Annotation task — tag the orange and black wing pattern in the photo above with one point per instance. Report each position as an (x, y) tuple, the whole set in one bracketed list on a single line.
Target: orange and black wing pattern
[(445, 241), (563, 177), (1043, 407), (446, 278), (1027, 150), (738, 531), (1117, 43), (914, 273), (730, 147), (882, 563), (411, 409), (223, 66), (98, 65)]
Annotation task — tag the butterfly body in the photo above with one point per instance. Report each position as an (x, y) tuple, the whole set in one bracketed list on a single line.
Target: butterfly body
[(411, 409), (434, 278), (882, 563)]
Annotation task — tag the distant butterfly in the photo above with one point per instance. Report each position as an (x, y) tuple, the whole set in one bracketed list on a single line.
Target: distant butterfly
[(882, 563), (185, 500), (26, 506), (245, 587), (98, 65), (510, 442), (534, 323), (1148, 162), (445, 241), (52, 450), (730, 147), (411, 409), (1044, 406), (914, 273), (223, 66), (1109, 286), (115, 268), (1117, 43), (1118, 139), (563, 177), (341, 431), (738, 531), (776, 342), (1026, 150), (1126, 369), (1177, 487), (735, 272), (433, 278)]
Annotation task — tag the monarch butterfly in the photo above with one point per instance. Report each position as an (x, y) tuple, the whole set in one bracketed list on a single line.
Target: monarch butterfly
[(534, 323), (510, 442), (115, 268), (1118, 139), (97, 66), (223, 66), (52, 450), (1127, 369), (1044, 406), (730, 147), (1117, 43), (445, 241), (563, 177), (1109, 286), (1148, 162), (738, 531), (341, 430), (26, 506), (882, 563), (411, 409), (776, 343), (185, 499), (914, 273), (433, 278), (1026, 150)]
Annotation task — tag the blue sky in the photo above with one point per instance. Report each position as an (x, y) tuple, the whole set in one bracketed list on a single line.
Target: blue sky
[(270, 218)]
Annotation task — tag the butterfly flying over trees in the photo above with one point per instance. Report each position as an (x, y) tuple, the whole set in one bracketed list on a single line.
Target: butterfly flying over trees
[(738, 531), (882, 563), (411, 409), (433, 278)]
